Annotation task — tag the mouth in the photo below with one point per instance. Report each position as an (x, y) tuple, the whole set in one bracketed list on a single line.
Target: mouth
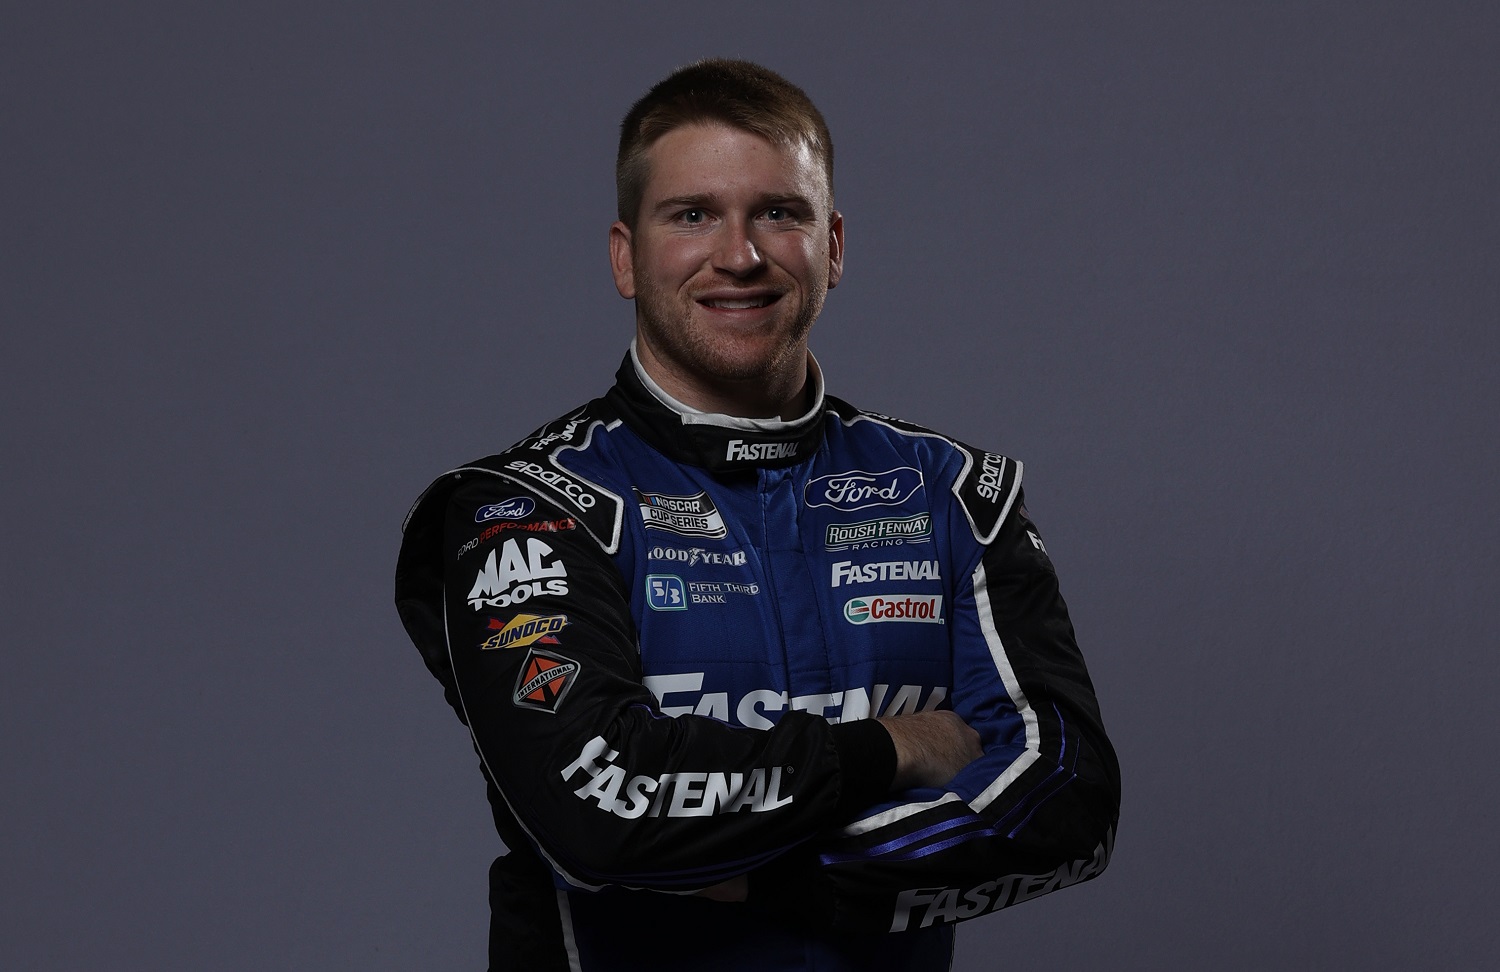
[(735, 302)]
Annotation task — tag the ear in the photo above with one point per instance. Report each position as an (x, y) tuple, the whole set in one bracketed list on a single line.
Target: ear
[(622, 259), (835, 248)]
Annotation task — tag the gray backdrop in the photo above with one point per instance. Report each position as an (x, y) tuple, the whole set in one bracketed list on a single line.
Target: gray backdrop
[(1223, 275)]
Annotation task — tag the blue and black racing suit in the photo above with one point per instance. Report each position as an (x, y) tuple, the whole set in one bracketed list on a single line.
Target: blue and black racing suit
[(668, 633)]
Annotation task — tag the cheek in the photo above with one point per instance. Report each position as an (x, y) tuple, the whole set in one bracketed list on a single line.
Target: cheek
[(671, 263)]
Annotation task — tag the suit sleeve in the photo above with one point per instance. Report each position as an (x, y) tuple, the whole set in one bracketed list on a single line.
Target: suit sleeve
[(1035, 813), (544, 670)]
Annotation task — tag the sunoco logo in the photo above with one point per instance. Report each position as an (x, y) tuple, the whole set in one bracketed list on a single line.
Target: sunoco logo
[(909, 529), (857, 490), (687, 516), (525, 629), (921, 608)]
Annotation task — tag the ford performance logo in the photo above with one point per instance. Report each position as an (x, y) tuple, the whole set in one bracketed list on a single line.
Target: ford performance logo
[(514, 508), (858, 489)]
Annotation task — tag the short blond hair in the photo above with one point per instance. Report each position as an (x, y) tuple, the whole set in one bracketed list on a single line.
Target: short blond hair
[(740, 94)]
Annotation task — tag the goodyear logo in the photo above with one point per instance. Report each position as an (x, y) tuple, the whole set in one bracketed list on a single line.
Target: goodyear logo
[(526, 629)]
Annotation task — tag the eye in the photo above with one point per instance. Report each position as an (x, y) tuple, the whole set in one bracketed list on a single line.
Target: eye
[(693, 216), (777, 214)]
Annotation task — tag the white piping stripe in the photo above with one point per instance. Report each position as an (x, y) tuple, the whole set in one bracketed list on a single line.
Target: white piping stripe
[(485, 760), (1033, 749), (570, 943), (962, 474), (886, 817)]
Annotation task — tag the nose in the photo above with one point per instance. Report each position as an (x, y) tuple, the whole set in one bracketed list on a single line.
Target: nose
[(736, 252)]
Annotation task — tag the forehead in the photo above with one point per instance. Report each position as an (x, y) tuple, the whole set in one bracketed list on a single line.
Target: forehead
[(718, 159)]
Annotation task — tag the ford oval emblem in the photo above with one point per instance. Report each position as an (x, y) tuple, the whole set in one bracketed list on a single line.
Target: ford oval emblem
[(514, 508)]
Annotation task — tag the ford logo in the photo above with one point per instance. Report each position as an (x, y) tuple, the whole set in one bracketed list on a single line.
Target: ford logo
[(858, 490), (512, 509)]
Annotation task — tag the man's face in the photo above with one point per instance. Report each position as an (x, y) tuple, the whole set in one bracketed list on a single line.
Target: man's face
[(734, 249)]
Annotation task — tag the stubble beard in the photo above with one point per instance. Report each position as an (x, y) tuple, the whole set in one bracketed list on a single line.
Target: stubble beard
[(714, 358)]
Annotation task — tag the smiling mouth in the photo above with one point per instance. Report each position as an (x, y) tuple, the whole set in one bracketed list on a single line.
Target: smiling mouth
[(740, 303)]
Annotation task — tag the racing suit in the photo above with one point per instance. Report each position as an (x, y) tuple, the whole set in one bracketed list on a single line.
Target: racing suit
[(668, 633)]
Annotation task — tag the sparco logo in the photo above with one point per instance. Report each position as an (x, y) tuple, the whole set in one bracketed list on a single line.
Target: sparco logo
[(524, 629), (692, 556), (858, 489), (515, 508), (760, 451), (688, 516), (989, 477), (895, 607), (578, 494), (907, 529), (671, 794), (513, 577)]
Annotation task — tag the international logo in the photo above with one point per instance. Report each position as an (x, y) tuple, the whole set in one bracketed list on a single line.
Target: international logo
[(665, 592), (515, 508), (525, 629), (512, 577), (687, 516), (693, 556), (544, 680), (858, 490), (744, 451), (848, 572), (923, 608), (879, 533)]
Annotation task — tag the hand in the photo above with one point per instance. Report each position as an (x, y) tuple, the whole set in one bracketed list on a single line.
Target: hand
[(735, 889), (931, 747)]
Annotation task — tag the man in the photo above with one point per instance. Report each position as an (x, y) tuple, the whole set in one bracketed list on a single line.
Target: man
[(757, 680)]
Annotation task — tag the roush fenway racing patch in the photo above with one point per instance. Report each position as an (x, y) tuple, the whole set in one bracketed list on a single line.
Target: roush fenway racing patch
[(545, 678)]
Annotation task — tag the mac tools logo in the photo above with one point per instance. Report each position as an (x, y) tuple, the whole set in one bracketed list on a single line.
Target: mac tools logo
[(686, 516), (927, 609), (515, 508), (512, 577), (858, 490)]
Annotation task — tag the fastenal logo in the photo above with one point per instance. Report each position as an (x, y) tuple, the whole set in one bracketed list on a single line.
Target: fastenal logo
[(906, 529), (525, 629), (544, 680), (759, 451), (687, 516), (515, 508), (684, 794), (927, 609), (857, 490), (848, 572)]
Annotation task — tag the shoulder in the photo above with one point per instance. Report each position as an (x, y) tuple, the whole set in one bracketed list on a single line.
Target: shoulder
[(532, 476), (985, 485)]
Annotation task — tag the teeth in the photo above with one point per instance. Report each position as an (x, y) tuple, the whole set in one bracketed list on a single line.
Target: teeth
[(739, 304)]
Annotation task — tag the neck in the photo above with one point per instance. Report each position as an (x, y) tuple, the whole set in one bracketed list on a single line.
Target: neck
[(785, 394)]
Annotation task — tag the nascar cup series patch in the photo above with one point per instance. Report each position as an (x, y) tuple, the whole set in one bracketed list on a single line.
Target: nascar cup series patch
[(523, 630), (546, 677)]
